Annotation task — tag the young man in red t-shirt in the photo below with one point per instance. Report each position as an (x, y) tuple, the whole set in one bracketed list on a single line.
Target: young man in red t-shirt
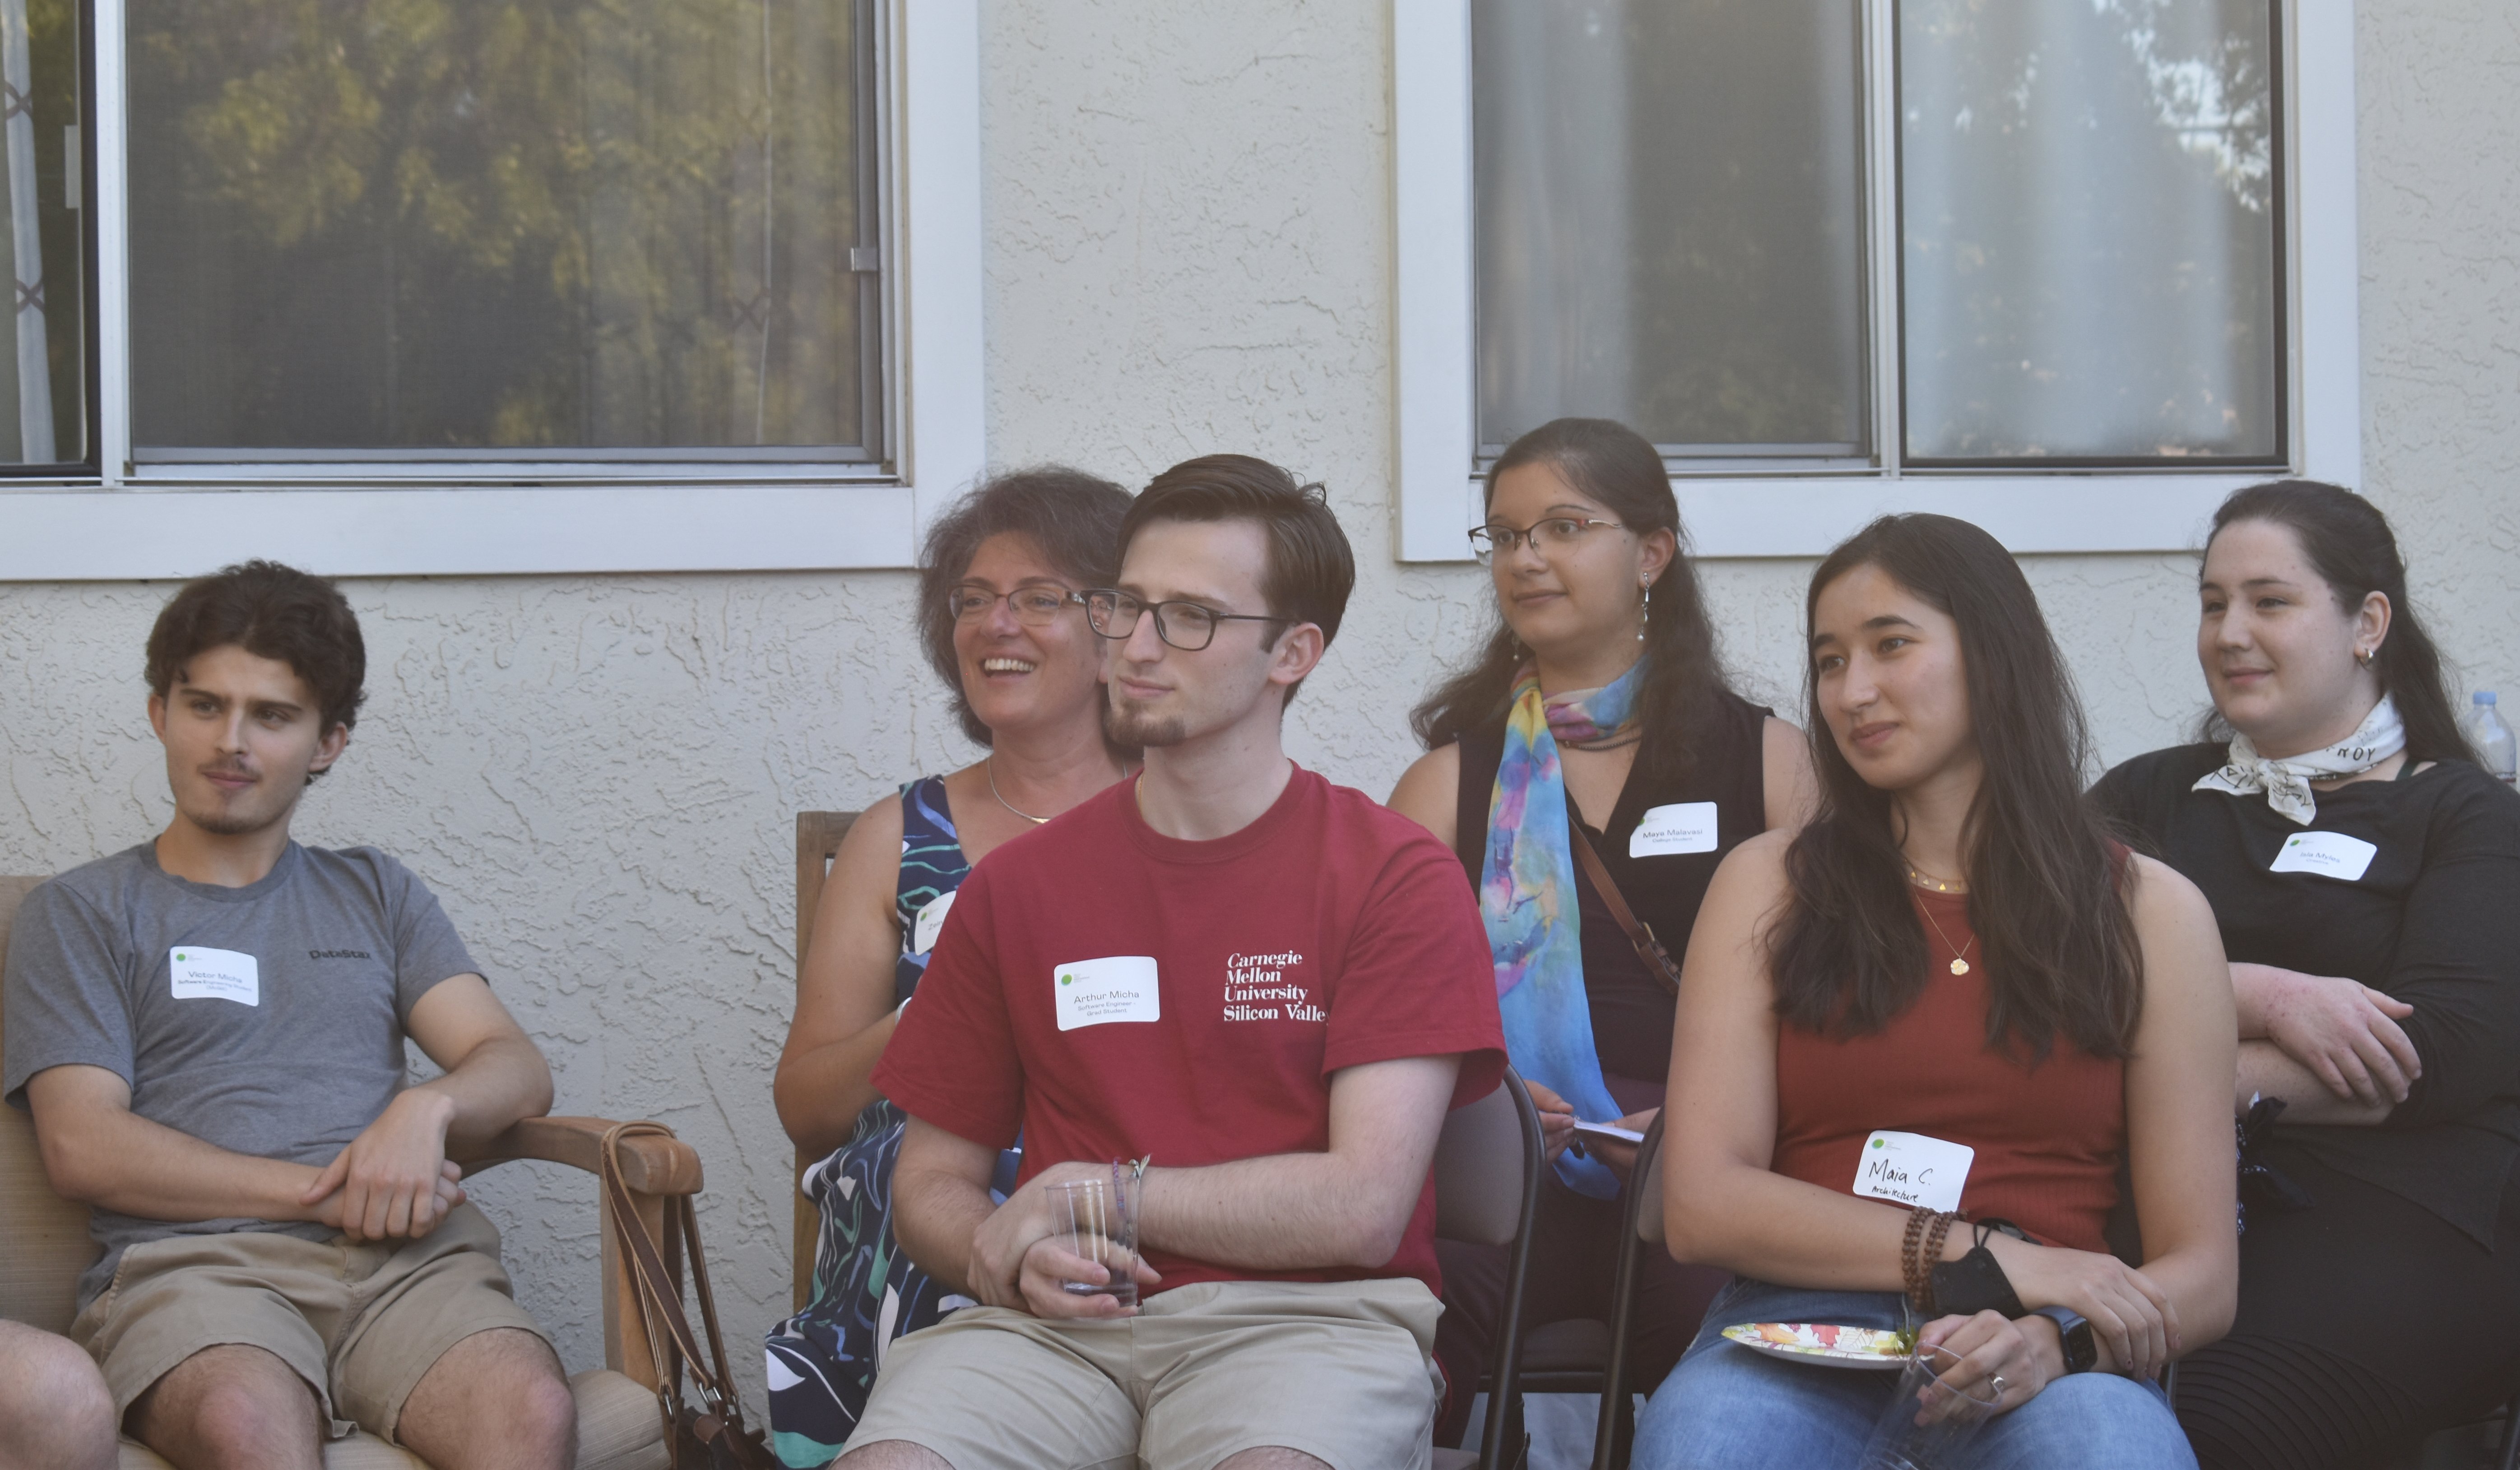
[(1268, 987)]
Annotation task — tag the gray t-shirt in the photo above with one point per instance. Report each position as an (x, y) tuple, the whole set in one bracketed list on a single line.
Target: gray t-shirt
[(266, 1019)]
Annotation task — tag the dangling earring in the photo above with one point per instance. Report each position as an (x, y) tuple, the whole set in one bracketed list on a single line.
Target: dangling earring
[(1645, 613)]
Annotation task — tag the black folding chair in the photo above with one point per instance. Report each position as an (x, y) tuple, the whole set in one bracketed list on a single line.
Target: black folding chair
[(1614, 1433), (1487, 1193)]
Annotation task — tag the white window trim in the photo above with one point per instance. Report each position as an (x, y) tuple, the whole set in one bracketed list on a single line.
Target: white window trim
[(1804, 514), (166, 521)]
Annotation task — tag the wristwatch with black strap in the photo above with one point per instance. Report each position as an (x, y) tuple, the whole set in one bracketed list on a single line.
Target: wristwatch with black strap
[(2081, 1349)]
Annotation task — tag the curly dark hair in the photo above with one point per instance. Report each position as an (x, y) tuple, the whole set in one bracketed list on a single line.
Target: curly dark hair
[(271, 612), (1071, 518)]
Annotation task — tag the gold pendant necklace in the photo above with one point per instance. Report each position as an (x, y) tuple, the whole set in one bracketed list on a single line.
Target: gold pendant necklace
[(1960, 954)]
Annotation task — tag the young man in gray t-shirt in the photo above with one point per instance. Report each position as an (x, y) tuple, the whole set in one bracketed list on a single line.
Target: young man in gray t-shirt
[(208, 1030)]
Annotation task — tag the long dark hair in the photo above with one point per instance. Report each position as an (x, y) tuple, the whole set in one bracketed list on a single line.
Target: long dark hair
[(1071, 518), (1616, 466), (2047, 891), (2349, 543)]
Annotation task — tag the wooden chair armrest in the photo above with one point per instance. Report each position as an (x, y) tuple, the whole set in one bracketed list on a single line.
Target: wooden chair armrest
[(649, 1164)]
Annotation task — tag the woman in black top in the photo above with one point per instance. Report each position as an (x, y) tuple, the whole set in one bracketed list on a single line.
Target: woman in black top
[(2363, 870), (1598, 698)]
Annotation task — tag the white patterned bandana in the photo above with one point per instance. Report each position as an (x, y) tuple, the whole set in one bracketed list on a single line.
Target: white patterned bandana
[(2286, 782)]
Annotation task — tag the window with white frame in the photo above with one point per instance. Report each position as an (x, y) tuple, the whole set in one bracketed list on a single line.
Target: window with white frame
[(554, 285), (1837, 256), (582, 229)]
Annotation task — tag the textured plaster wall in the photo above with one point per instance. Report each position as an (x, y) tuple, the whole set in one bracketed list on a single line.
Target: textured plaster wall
[(1190, 251)]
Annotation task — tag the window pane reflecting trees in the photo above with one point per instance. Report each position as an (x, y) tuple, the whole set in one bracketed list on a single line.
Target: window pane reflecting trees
[(526, 226)]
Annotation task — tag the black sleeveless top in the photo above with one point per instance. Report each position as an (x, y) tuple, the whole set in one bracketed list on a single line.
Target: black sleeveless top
[(1632, 1013)]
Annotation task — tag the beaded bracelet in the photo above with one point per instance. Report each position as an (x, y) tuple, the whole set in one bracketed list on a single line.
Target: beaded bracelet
[(1910, 1266)]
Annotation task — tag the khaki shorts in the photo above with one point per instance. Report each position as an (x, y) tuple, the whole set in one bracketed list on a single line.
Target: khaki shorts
[(1343, 1371), (360, 1323)]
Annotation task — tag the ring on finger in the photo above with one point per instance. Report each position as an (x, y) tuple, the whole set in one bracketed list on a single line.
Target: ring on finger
[(2000, 1385)]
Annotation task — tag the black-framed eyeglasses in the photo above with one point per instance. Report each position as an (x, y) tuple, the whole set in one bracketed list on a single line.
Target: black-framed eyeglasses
[(1033, 606), (1187, 626), (1553, 534)]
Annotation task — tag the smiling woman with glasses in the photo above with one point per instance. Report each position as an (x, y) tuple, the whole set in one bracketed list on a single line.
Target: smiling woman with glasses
[(1592, 737), (1002, 618)]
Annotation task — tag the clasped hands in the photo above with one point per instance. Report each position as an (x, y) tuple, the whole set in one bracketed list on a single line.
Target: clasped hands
[(1021, 1259), (393, 1181)]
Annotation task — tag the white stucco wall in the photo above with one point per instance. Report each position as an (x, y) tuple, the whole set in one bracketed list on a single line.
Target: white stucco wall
[(1190, 250)]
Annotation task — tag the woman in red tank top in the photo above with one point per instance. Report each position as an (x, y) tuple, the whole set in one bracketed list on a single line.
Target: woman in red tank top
[(1949, 1006)]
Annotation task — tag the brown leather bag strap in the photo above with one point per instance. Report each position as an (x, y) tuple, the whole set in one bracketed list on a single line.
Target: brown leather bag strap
[(660, 1299), (1641, 936)]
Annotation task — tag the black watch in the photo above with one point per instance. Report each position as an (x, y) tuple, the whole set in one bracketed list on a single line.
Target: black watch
[(2081, 1349)]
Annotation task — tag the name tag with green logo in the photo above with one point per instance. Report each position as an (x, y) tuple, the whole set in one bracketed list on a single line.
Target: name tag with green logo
[(1913, 1170), (2330, 855), (1099, 992), (931, 923), (215, 975)]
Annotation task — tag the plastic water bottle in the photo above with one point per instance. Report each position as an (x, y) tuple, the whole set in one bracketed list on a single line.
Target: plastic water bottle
[(2491, 736)]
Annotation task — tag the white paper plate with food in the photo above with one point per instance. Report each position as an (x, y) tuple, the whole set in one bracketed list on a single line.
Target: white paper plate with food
[(1825, 1344)]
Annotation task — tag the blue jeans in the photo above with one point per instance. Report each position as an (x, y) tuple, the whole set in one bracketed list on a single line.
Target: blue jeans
[(1726, 1407)]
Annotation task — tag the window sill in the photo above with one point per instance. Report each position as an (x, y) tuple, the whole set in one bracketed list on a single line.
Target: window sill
[(97, 533)]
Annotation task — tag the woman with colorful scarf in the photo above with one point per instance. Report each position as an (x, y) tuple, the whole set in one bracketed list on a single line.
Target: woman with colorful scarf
[(1002, 620), (2362, 868), (1596, 712)]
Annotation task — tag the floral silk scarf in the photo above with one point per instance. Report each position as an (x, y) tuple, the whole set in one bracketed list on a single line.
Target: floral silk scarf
[(1528, 899)]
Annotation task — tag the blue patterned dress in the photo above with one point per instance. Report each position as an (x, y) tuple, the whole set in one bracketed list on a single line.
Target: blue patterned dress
[(822, 1361)]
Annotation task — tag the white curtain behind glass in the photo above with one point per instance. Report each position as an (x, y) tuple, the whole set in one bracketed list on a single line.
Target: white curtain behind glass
[(1668, 204), (1553, 215), (2089, 229)]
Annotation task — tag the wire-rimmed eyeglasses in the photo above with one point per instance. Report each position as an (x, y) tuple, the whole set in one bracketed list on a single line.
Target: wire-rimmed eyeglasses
[(1187, 626), (1034, 606), (1555, 533)]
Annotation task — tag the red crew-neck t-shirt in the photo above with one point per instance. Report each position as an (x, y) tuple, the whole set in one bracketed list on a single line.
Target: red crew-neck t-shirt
[(1328, 933)]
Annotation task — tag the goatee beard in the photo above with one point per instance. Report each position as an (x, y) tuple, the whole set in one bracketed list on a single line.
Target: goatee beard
[(1145, 731)]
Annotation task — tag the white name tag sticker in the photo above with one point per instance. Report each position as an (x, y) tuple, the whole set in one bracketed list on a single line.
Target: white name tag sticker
[(1099, 992), (2328, 854), (214, 974), (931, 921), (1913, 1170), (1684, 826)]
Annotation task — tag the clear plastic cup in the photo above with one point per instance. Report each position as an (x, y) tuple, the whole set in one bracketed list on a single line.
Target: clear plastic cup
[(1931, 1419), (1098, 1220)]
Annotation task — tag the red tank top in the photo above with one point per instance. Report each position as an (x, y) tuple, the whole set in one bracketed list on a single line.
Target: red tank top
[(2048, 1138)]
